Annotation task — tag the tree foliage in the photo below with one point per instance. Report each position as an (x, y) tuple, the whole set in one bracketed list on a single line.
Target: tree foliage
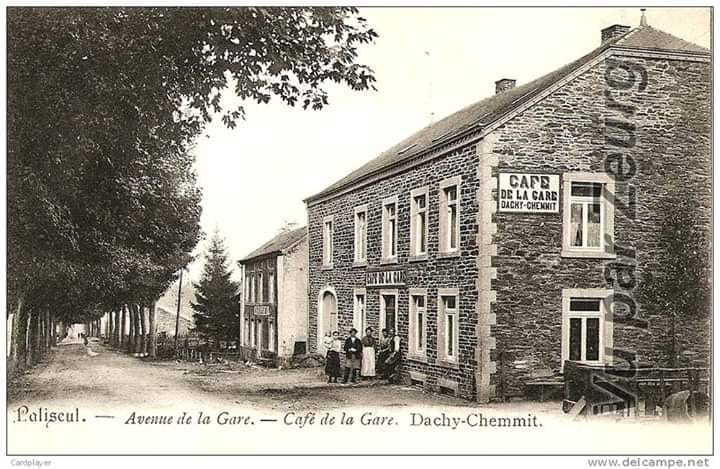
[(216, 306), (679, 288), (104, 105)]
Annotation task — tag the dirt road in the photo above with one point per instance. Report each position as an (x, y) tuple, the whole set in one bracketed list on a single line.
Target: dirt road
[(103, 378), (100, 377), (129, 405)]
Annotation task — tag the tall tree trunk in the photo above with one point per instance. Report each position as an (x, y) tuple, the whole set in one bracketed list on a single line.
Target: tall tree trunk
[(152, 331), (42, 332), (28, 339), (131, 329), (123, 325), (38, 333), (118, 328), (136, 328), (16, 334), (143, 330), (49, 333)]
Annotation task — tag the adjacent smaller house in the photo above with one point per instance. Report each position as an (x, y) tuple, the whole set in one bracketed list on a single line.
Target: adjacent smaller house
[(273, 309), (165, 321)]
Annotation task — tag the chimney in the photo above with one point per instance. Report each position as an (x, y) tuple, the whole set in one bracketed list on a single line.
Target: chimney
[(613, 31), (504, 84)]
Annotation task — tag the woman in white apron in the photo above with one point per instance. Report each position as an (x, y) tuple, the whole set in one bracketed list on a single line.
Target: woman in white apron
[(367, 369)]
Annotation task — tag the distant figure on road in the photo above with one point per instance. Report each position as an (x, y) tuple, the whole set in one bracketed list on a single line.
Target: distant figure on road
[(368, 354), (332, 358), (84, 338), (353, 355)]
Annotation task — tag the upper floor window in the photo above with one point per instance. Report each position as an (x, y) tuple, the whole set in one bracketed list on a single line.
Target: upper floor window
[(361, 234), (389, 229), (359, 315), (328, 235), (418, 222), (261, 287), (588, 215), (252, 288), (450, 215), (271, 287)]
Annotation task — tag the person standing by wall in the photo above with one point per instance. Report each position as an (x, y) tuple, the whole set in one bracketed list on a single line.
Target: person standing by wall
[(367, 369), (353, 355), (383, 352), (332, 359), (392, 362)]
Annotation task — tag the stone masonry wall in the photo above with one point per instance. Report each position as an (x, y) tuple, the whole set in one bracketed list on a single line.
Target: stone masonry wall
[(565, 133), (455, 272)]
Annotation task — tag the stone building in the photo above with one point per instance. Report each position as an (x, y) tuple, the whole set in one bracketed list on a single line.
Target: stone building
[(273, 309), (515, 234)]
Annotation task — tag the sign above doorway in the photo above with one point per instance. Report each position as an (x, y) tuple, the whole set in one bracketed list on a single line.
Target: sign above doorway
[(385, 278)]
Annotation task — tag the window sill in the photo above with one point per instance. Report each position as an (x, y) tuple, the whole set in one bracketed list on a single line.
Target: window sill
[(596, 363), (447, 364), (389, 260), (573, 253), (418, 258), (448, 254), (360, 264), (417, 358), (326, 267)]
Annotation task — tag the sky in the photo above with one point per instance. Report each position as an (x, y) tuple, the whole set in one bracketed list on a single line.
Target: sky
[(429, 62)]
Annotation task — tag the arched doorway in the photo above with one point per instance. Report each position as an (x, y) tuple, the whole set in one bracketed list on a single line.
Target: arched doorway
[(328, 321)]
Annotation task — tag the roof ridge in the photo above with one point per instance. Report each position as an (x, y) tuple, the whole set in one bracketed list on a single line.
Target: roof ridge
[(456, 125), (277, 243)]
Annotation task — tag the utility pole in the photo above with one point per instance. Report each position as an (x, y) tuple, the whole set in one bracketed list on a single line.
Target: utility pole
[(177, 318)]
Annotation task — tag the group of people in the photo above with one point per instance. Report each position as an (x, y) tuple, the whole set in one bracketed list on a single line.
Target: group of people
[(367, 357)]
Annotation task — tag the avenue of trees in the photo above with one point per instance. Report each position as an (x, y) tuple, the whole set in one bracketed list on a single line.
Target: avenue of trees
[(104, 105)]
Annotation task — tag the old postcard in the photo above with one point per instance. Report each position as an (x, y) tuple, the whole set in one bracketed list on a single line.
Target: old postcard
[(340, 230)]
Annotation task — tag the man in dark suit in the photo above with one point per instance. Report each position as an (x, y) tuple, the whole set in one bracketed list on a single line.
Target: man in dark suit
[(353, 356)]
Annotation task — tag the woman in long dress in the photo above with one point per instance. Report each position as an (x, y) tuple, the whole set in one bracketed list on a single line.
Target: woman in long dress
[(367, 369), (332, 359)]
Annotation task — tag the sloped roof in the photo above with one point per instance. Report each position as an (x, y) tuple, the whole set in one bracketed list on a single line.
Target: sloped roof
[(648, 37), (278, 243), (488, 110)]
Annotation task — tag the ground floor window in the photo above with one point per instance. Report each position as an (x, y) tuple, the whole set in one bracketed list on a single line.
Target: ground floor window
[(448, 327), (587, 330), (253, 332), (388, 309), (417, 322)]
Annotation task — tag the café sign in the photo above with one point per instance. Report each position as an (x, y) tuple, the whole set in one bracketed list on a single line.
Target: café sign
[(261, 310), (385, 278), (528, 193)]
